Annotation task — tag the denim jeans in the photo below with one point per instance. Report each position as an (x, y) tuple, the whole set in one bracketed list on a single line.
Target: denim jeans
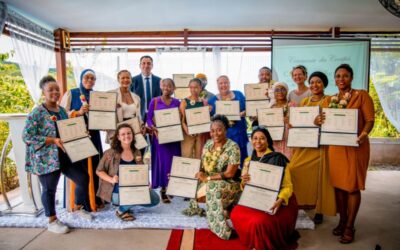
[(154, 200)]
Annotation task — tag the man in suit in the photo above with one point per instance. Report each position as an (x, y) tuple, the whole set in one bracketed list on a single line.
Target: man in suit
[(146, 85)]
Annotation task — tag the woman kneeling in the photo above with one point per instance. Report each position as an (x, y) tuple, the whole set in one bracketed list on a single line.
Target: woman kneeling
[(122, 152)]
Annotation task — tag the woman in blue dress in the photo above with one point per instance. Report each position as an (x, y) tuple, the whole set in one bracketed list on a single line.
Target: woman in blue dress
[(238, 129)]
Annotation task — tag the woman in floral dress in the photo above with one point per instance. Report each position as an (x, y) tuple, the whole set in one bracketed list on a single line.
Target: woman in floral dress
[(219, 175)]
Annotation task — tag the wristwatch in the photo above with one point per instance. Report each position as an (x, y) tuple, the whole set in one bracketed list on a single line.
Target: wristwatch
[(208, 178)]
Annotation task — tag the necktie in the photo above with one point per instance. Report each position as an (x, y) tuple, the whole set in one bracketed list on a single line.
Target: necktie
[(148, 92)]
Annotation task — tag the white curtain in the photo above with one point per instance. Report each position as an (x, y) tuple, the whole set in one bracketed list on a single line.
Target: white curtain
[(34, 62), (385, 75)]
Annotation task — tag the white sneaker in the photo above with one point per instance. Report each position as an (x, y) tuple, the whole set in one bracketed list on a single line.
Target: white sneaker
[(84, 214), (58, 227)]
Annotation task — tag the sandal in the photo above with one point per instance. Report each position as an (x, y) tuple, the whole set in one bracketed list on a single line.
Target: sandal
[(318, 219), (338, 231), (348, 235), (164, 196), (125, 216)]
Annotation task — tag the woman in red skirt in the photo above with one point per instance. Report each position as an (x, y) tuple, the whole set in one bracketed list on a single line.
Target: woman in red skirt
[(276, 229)]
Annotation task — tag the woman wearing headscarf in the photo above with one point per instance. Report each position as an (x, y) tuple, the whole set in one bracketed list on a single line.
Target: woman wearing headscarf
[(309, 167), (280, 101), (76, 101)]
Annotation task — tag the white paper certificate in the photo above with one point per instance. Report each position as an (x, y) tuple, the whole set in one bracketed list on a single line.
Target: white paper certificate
[(134, 195), (255, 91), (198, 129), (271, 117), (231, 109), (339, 139), (167, 117), (182, 187), (140, 141), (185, 167), (303, 116), (303, 137), (71, 129), (340, 120), (80, 149), (170, 134), (182, 80), (99, 120), (181, 93), (276, 133), (133, 175), (253, 106), (197, 116), (265, 175), (103, 101), (258, 198)]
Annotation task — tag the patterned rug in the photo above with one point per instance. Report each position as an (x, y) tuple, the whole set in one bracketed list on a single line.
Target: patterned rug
[(162, 216)]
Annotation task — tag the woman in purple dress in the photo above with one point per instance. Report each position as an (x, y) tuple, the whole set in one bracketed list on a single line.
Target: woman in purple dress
[(162, 154)]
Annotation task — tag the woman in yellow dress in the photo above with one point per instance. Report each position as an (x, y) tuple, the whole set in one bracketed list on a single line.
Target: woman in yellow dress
[(309, 167)]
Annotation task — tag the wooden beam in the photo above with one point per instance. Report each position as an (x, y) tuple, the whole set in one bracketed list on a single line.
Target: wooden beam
[(61, 64)]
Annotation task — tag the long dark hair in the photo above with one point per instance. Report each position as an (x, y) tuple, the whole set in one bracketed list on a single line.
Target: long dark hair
[(267, 135), (116, 144)]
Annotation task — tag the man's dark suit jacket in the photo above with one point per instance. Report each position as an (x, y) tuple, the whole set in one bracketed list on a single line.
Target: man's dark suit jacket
[(137, 88)]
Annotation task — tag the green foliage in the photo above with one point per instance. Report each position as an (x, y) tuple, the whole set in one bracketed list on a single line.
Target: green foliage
[(382, 126)]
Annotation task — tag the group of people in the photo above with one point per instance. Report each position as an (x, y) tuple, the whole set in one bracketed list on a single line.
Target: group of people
[(327, 179)]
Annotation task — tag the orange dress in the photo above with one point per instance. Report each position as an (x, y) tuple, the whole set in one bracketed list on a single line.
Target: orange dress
[(348, 165)]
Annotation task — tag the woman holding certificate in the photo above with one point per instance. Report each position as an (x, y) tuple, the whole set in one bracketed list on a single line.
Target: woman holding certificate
[(128, 103), (219, 169), (281, 101), (192, 143), (258, 229), (122, 152), (299, 76), (76, 102), (162, 154), (46, 157), (237, 130), (309, 167), (348, 165)]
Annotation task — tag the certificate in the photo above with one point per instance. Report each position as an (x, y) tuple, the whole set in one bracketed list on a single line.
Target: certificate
[(140, 141), (139, 195), (182, 180), (170, 134), (181, 93), (197, 116), (182, 187), (340, 120), (265, 175), (270, 117), (339, 139), (256, 91), (258, 198), (80, 149), (185, 167), (167, 117), (182, 80), (198, 120), (253, 106), (231, 109), (71, 129), (134, 123), (303, 137), (102, 120), (133, 175), (303, 116), (276, 133), (103, 101)]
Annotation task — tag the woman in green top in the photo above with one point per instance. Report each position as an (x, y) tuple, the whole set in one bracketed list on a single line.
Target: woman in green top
[(192, 144)]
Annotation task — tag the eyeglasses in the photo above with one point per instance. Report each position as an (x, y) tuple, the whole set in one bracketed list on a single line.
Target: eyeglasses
[(280, 91), (89, 78)]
